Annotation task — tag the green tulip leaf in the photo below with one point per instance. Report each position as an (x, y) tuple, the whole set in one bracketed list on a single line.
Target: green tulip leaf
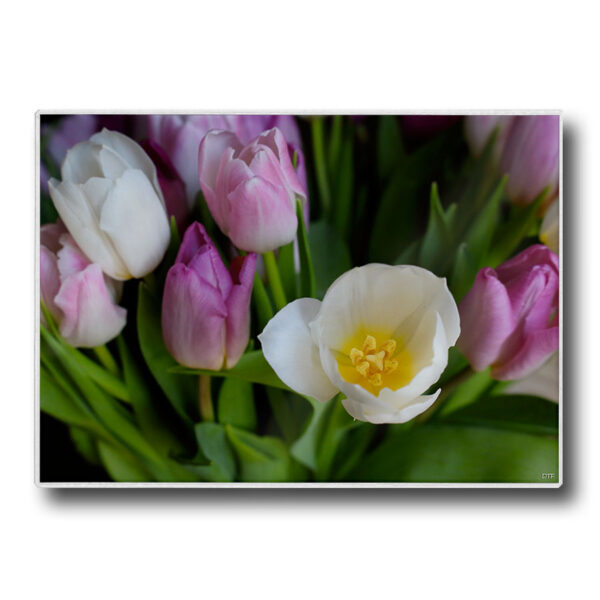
[(236, 404), (444, 453), (327, 244), (121, 465)]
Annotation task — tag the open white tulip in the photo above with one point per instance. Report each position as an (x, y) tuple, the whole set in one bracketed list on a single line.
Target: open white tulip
[(111, 203), (380, 336)]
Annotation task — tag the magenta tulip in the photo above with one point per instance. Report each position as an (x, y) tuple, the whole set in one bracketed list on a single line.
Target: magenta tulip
[(170, 182), (509, 318), (77, 294), (251, 190), (531, 158), (206, 308)]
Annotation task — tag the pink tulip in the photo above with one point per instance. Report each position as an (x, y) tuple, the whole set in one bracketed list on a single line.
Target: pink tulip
[(170, 182), (531, 158), (206, 308), (180, 137), (509, 318), (76, 292), (251, 190)]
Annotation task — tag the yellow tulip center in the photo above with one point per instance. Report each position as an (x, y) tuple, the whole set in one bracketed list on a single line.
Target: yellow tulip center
[(373, 366), (373, 362)]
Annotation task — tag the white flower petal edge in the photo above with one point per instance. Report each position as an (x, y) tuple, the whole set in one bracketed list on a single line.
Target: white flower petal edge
[(288, 347)]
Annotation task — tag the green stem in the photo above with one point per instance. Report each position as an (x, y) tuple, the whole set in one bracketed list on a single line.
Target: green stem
[(318, 139), (264, 310), (308, 282), (274, 279), (447, 389), (205, 399), (107, 360)]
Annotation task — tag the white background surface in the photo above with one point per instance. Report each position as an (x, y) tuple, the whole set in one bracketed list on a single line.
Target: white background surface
[(353, 56)]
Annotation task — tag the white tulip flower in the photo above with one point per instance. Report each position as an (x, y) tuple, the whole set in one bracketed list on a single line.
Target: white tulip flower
[(380, 336), (111, 203)]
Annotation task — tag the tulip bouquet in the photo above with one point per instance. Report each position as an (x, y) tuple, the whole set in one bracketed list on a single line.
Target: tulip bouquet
[(269, 298)]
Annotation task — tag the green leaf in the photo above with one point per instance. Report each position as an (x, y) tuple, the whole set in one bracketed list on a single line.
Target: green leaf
[(450, 453), (149, 414), (468, 392), (287, 271), (343, 188), (514, 231), (437, 241), (252, 367), (319, 444), (464, 272), (335, 143), (389, 145), (181, 391), (110, 413), (121, 465), (85, 445), (351, 449), (290, 412), (524, 413), (260, 458), (410, 255), (331, 253), (236, 404), (57, 402), (482, 230), (216, 461), (395, 222), (307, 272)]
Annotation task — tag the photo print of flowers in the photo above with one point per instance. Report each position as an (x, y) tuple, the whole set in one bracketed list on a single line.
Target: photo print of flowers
[(299, 299)]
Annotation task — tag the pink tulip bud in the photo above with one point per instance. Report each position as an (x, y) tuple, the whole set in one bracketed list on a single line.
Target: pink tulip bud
[(180, 137), (251, 190), (170, 182), (206, 308), (76, 292), (531, 158), (509, 318)]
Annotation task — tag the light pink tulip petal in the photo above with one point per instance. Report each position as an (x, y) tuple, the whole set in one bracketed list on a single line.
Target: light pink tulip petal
[(531, 256), (486, 320), (91, 318), (262, 162), (238, 307), (262, 217), (274, 139), (536, 349), (49, 281), (193, 320), (210, 152), (71, 259), (531, 157)]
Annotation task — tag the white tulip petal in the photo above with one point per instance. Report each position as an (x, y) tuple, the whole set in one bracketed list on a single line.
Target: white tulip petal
[(288, 347), (132, 153), (542, 382), (383, 297), (81, 162), (113, 165), (136, 222), (78, 214), (416, 407)]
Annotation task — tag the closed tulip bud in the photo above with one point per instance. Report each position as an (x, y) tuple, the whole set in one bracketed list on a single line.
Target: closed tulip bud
[(531, 158), (180, 137), (76, 292), (251, 190), (111, 203), (170, 182), (509, 318), (206, 308)]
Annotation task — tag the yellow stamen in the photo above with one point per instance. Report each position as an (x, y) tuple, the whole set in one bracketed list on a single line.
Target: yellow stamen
[(373, 362), (369, 345)]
